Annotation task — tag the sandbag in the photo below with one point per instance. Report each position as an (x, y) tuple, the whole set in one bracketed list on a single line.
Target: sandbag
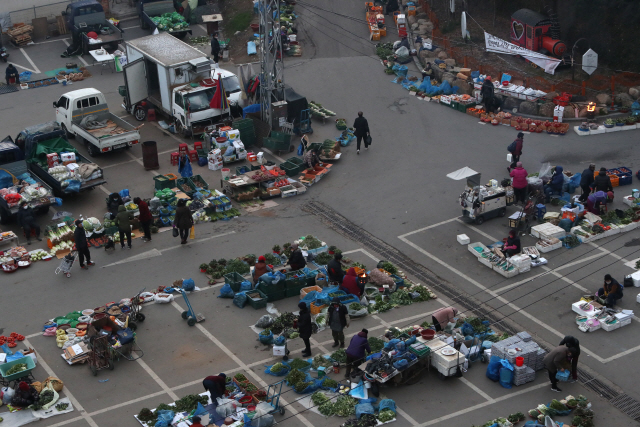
[(226, 291), (266, 339), (493, 369), (245, 286), (264, 322), (188, 285)]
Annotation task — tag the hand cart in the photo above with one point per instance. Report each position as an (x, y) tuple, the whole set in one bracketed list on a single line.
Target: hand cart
[(67, 263), (26, 375), (189, 315), (100, 357), (273, 397), (136, 307), (130, 351)]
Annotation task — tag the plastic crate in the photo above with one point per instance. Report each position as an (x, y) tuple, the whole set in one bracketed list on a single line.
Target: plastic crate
[(161, 182), (274, 292), (172, 178), (420, 353), (304, 291), (27, 360), (398, 280), (281, 136), (122, 90), (293, 290), (261, 303), (625, 179), (290, 169), (348, 299), (180, 182), (276, 144), (109, 231), (242, 170), (200, 180), (295, 278), (316, 309), (234, 280)]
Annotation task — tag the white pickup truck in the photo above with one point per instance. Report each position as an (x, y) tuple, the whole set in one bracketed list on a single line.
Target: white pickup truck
[(84, 113)]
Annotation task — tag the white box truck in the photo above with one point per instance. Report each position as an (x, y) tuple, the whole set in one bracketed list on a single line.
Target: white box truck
[(169, 75)]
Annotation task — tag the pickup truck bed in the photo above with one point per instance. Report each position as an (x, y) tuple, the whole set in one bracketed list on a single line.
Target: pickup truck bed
[(39, 205), (114, 38), (150, 10), (116, 134)]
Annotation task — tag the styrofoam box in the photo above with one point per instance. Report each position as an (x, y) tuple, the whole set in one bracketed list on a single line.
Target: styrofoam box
[(504, 273), (471, 247), (463, 239), (485, 262), (545, 249), (575, 307)]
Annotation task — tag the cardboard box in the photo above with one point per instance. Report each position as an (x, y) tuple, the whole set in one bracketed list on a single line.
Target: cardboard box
[(466, 71), (514, 123), (53, 160)]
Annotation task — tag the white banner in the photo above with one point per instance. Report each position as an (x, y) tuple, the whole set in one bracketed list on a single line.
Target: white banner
[(494, 44)]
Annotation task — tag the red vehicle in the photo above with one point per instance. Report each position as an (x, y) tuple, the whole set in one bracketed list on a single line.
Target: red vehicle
[(537, 32)]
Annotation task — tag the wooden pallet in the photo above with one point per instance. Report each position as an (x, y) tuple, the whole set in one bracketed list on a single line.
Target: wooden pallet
[(62, 26), (21, 40), (19, 29)]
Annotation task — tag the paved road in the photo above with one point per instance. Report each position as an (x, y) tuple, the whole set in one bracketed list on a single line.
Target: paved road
[(396, 187)]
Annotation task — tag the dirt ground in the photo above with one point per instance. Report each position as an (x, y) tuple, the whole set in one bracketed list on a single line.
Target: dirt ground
[(238, 43)]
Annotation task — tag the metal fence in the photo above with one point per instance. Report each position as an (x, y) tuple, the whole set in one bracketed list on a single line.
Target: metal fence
[(49, 11)]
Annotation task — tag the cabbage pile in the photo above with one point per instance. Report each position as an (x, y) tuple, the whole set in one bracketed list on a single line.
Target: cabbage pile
[(170, 22)]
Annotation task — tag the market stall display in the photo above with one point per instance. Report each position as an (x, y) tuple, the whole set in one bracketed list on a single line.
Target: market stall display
[(592, 315)]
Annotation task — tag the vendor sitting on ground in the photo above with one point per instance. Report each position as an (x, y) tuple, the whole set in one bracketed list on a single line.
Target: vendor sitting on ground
[(611, 291), (296, 260), (512, 246), (334, 269), (312, 158), (11, 75), (555, 184), (215, 385), (350, 283), (428, 71), (260, 268), (596, 201), (443, 317), (27, 220)]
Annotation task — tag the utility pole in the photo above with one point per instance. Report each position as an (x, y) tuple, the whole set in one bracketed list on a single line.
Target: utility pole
[(271, 59)]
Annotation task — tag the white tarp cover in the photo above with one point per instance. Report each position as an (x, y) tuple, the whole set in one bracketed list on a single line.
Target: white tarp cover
[(463, 173), (496, 45)]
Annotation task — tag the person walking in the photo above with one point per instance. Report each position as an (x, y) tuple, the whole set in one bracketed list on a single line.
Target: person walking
[(82, 246), (304, 328), (123, 221), (556, 360), (515, 148), (184, 166), (145, 217), (215, 385), (26, 219), (338, 320), (183, 220), (611, 291), (586, 180), (573, 343), (215, 48), (357, 350), (361, 126), (520, 183)]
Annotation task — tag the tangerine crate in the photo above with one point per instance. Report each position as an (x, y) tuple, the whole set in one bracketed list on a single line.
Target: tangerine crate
[(316, 309), (305, 291), (615, 181), (172, 179)]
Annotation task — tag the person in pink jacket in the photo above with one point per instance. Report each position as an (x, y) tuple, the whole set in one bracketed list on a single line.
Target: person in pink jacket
[(443, 316), (519, 175)]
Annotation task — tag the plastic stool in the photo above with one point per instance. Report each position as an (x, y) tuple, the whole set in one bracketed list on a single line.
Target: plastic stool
[(183, 148), (175, 157), (151, 115), (197, 145), (193, 156), (542, 209)]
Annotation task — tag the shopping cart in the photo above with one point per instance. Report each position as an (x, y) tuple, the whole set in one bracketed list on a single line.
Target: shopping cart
[(67, 263)]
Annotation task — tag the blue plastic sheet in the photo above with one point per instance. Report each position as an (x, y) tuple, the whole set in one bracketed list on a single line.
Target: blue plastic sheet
[(73, 187), (255, 108), (251, 48), (563, 375), (387, 404), (400, 70), (246, 286), (364, 408), (165, 417), (506, 374)]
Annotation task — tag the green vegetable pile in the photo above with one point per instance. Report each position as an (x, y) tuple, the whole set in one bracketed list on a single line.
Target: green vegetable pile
[(170, 22), (388, 267), (376, 344), (514, 418), (329, 383), (345, 406), (354, 306), (237, 266), (299, 364), (278, 367), (318, 398), (311, 242), (295, 377), (272, 259), (240, 377), (266, 332), (319, 361), (323, 258), (285, 320), (320, 320), (18, 367), (62, 406), (145, 415), (571, 241), (380, 306), (340, 355), (250, 388), (190, 402), (294, 335), (45, 397), (302, 386), (386, 415), (425, 295), (555, 404), (400, 297)]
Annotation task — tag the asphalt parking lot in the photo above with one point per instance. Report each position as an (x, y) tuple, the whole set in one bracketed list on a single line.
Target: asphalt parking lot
[(397, 191)]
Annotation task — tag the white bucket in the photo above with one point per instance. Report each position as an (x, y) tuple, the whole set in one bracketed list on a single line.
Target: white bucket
[(293, 37), (367, 384), (226, 173)]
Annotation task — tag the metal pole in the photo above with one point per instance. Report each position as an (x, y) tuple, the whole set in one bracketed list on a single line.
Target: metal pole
[(271, 59)]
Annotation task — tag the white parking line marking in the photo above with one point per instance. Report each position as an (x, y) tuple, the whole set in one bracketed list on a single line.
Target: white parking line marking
[(52, 41), (73, 400), (79, 57), (200, 240), (24, 68), (476, 389), (420, 230), (30, 61), (157, 379), (608, 252), (477, 230), (104, 189), (364, 252)]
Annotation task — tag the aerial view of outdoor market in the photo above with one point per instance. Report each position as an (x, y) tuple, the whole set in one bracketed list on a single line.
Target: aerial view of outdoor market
[(338, 213)]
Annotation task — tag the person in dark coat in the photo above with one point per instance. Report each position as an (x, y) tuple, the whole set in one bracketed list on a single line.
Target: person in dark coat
[(215, 385), (602, 182), (260, 269), (26, 219), (556, 360), (115, 200), (338, 320), (215, 48), (82, 247), (586, 180), (392, 6), (573, 344), (427, 71), (357, 350), (361, 126), (334, 269), (512, 246), (517, 151), (184, 166), (611, 291), (183, 220), (123, 221), (296, 260), (350, 283), (145, 217), (11, 73), (487, 94), (555, 184), (304, 328)]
